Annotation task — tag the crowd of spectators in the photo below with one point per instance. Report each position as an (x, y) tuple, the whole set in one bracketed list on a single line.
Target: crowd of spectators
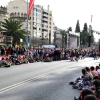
[(21, 55), (88, 83)]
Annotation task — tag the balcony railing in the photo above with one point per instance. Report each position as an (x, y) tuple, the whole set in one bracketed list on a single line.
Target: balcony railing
[(45, 19), (45, 15), (44, 32), (20, 16), (3, 10)]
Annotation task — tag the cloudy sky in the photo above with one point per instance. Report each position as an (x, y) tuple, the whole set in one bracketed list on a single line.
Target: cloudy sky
[(67, 12)]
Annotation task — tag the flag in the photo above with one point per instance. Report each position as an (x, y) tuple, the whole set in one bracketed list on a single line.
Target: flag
[(31, 4), (91, 18)]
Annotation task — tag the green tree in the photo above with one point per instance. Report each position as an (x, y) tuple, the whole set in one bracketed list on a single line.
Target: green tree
[(85, 27), (84, 36), (0, 27), (70, 29), (77, 27), (13, 28), (92, 36), (63, 33)]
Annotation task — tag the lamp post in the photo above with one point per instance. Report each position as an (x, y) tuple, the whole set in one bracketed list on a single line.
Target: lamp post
[(89, 36), (67, 39), (54, 38), (81, 45), (27, 27), (79, 40)]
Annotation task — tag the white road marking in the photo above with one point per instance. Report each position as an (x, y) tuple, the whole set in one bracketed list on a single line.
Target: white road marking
[(39, 76)]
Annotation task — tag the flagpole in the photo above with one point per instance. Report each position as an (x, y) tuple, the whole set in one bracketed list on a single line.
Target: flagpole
[(27, 26)]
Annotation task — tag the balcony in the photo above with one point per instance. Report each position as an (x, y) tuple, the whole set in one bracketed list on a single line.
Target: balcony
[(3, 10), (45, 15), (20, 16), (34, 25), (45, 23), (45, 19), (45, 28), (44, 32)]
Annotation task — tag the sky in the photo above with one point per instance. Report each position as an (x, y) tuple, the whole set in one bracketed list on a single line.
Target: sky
[(67, 12)]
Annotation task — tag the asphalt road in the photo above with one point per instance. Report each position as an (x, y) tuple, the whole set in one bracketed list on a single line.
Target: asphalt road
[(42, 80)]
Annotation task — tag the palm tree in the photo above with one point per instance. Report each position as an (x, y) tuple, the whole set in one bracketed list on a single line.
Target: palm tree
[(63, 33), (13, 28), (0, 27)]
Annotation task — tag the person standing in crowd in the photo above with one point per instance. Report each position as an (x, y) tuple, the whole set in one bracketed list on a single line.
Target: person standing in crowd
[(2, 50)]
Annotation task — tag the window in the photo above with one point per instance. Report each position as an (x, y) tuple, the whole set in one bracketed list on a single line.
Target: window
[(38, 10), (38, 15), (38, 29), (45, 26), (38, 24), (35, 19), (38, 34), (34, 9), (35, 34), (50, 14), (35, 14), (15, 7), (34, 24), (38, 21), (34, 28)]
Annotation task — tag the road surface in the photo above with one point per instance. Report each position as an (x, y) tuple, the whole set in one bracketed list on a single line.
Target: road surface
[(42, 80)]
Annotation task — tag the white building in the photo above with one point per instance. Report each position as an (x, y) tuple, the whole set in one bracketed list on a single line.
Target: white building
[(17, 9), (42, 23)]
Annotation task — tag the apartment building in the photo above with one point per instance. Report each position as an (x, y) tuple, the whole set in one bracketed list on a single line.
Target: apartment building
[(41, 21), (42, 24), (3, 15)]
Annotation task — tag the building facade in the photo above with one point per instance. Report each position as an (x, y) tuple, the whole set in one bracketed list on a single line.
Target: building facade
[(17, 9), (71, 39), (42, 24), (3, 15), (57, 36)]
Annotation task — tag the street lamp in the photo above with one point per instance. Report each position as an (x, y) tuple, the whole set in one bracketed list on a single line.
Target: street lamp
[(90, 28), (81, 45), (27, 26), (67, 38), (79, 40)]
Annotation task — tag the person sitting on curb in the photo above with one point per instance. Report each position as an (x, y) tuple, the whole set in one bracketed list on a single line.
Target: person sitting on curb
[(2, 62), (96, 86), (84, 93), (90, 97)]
